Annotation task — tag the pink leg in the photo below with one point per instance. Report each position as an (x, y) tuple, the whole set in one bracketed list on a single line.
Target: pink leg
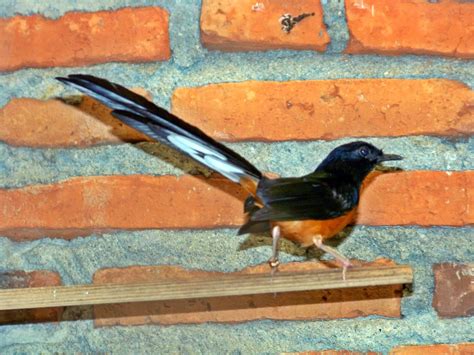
[(338, 256), (274, 262)]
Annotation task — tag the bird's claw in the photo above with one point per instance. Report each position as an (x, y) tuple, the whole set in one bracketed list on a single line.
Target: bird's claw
[(345, 265), (274, 263)]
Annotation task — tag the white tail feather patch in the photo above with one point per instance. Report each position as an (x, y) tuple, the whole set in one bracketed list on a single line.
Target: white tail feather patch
[(222, 165), (208, 157), (189, 146)]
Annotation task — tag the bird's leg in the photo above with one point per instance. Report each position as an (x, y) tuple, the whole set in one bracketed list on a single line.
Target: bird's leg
[(274, 262), (318, 241)]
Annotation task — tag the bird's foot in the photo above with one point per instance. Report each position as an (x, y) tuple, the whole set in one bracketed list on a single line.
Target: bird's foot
[(346, 263), (274, 263)]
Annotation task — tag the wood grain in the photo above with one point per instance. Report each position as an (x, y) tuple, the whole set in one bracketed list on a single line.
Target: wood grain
[(230, 285)]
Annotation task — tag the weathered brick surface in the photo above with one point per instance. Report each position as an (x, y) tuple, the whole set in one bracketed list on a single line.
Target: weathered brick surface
[(53, 123), (341, 108), (348, 303), (425, 198), (327, 109), (22, 279), (238, 26), (454, 289), (411, 26), (77, 38), (435, 349), (82, 206), (334, 352)]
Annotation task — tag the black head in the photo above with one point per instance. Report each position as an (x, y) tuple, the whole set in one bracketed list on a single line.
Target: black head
[(356, 159)]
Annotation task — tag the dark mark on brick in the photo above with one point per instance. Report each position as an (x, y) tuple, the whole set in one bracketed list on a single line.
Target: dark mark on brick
[(454, 289), (287, 21)]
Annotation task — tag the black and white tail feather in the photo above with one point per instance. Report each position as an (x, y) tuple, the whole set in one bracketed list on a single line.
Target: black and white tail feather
[(136, 111)]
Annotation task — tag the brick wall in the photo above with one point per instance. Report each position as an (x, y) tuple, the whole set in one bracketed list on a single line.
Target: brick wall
[(84, 199)]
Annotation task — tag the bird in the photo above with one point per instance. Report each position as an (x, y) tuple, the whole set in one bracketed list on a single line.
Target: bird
[(306, 210)]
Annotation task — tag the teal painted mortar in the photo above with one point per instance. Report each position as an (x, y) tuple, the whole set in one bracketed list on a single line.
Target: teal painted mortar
[(23, 166), (192, 65)]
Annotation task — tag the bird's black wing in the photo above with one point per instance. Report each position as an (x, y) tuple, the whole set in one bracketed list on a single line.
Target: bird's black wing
[(314, 196)]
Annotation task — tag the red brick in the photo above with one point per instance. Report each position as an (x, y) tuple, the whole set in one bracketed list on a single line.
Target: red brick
[(435, 349), (82, 206), (327, 109), (141, 202), (334, 352), (354, 108), (345, 303), (425, 198), (454, 290), (229, 25), (78, 38), (22, 279), (53, 123), (411, 26)]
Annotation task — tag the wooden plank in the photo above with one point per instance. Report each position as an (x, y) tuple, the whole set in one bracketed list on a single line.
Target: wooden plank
[(231, 285)]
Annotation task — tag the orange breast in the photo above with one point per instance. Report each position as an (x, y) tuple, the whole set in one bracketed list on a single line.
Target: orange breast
[(303, 232)]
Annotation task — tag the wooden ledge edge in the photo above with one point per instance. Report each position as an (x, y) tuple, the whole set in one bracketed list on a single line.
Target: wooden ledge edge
[(228, 285)]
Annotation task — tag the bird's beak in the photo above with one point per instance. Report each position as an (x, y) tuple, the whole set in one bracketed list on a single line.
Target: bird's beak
[(387, 157)]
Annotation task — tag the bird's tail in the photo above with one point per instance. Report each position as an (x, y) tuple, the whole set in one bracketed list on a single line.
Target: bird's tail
[(143, 115)]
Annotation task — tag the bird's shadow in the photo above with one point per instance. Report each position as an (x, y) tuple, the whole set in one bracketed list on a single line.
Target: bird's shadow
[(289, 247), (126, 134)]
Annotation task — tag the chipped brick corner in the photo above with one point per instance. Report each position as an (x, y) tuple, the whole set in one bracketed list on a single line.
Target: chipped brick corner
[(22, 279)]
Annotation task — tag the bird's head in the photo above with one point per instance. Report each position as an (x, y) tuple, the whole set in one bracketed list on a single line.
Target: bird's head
[(356, 159)]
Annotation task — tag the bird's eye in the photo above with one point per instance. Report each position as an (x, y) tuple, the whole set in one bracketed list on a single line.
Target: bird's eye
[(363, 151)]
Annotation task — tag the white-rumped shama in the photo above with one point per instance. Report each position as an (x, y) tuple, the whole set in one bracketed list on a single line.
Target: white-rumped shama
[(306, 209)]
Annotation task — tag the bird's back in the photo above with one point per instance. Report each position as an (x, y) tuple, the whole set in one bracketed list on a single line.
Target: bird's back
[(314, 204)]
